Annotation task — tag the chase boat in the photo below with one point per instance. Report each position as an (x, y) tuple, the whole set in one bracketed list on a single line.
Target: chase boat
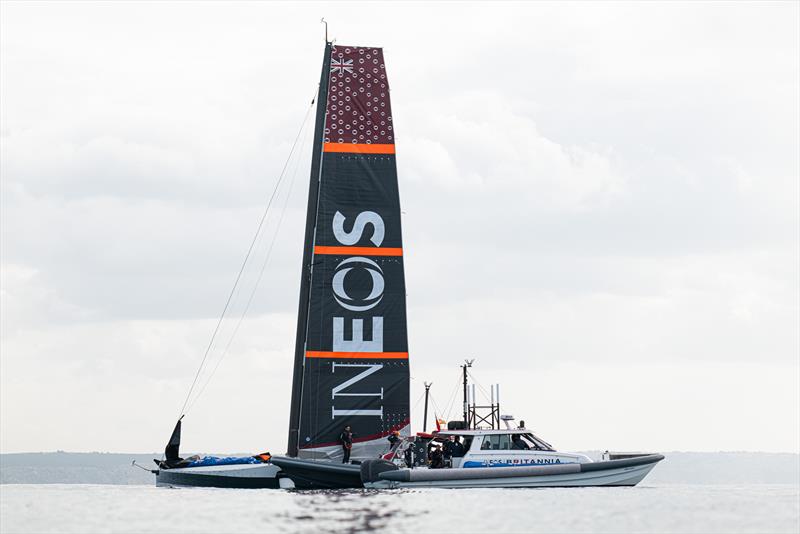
[(493, 458), (509, 458)]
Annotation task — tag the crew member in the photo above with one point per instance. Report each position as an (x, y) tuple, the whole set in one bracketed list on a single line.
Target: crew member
[(346, 439), (436, 457), (447, 451), (518, 444), (458, 448), (393, 438), (408, 455)]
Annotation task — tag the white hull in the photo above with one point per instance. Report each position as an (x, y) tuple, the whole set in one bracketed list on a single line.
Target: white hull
[(612, 473)]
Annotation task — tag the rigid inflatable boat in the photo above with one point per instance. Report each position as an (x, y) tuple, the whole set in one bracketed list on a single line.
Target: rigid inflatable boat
[(492, 458)]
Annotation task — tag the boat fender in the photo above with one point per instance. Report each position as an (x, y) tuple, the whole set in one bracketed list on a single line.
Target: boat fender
[(371, 469), (627, 462)]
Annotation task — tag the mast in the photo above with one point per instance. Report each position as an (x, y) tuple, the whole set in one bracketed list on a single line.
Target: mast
[(425, 417), (467, 364), (308, 254)]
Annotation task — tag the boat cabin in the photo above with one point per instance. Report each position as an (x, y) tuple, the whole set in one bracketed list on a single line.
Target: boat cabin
[(498, 440), (498, 448)]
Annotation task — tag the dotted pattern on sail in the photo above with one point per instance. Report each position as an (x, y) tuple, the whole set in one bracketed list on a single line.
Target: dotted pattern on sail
[(358, 110)]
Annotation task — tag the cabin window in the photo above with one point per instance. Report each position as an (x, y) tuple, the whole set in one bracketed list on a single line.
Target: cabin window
[(497, 442)]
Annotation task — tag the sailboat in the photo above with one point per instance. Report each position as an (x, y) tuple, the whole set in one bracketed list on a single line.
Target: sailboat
[(351, 360), (351, 364)]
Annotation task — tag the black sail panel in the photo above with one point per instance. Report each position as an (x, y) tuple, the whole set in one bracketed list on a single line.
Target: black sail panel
[(355, 368)]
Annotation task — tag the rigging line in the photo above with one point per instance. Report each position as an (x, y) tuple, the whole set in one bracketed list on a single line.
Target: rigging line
[(437, 411), (453, 396), (435, 405), (451, 399), (480, 387), (441, 412), (417, 402), (258, 280), (244, 263)]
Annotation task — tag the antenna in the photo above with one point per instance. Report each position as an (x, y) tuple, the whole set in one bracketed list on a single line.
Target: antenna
[(322, 20), (427, 394), (467, 364)]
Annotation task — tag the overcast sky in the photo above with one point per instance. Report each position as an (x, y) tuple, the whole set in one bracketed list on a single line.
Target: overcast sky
[(600, 206)]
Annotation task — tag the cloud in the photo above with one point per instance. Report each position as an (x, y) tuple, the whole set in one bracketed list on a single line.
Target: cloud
[(475, 142), (599, 204)]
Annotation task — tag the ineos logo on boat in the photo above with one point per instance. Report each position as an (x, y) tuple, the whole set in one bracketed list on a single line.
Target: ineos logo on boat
[(357, 343), (362, 220), (338, 284)]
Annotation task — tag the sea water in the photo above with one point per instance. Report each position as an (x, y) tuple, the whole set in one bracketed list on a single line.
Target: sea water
[(645, 508)]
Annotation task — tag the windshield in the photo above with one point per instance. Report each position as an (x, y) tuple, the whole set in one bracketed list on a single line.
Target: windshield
[(536, 444)]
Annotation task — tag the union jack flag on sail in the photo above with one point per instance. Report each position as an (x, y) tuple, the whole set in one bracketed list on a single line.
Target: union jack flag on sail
[(341, 66)]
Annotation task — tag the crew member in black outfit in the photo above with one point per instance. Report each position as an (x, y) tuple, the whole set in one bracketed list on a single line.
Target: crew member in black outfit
[(436, 457), (458, 448), (518, 444), (346, 439), (447, 451), (393, 438), (408, 455)]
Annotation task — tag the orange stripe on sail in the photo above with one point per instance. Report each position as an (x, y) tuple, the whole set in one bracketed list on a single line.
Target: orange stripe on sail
[(358, 148), (359, 251), (358, 355)]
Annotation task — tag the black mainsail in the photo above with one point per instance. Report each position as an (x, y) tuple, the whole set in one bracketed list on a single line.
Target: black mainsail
[(351, 352)]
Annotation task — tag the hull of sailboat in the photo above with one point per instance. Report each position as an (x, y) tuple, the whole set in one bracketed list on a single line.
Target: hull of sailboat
[(222, 476), (611, 473), (318, 474)]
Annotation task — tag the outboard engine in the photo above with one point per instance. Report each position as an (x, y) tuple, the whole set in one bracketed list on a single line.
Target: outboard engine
[(370, 469)]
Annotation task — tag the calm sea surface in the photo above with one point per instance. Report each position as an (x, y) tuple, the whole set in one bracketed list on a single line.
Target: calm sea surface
[(646, 508)]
